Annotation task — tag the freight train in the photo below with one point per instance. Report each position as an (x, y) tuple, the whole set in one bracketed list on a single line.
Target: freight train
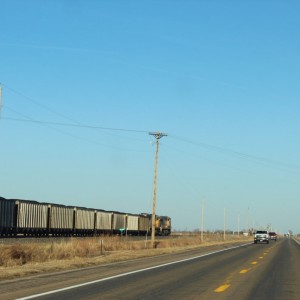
[(32, 218)]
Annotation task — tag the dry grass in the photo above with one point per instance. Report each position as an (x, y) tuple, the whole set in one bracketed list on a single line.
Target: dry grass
[(20, 259)]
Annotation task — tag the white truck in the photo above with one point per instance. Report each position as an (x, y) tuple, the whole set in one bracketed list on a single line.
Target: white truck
[(261, 236)]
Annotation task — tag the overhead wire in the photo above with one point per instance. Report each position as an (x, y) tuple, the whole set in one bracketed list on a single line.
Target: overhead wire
[(74, 125), (78, 123), (40, 105), (48, 124), (241, 155)]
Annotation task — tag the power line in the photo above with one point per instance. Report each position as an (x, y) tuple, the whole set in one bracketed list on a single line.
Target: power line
[(40, 105), (215, 148), (241, 155), (48, 124), (75, 125), (78, 124)]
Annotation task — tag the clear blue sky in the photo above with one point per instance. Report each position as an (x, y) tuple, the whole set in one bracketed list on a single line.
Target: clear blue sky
[(220, 77)]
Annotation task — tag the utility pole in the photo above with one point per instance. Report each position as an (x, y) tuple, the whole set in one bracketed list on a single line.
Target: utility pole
[(239, 225), (224, 224), (202, 221), (158, 136), (248, 221)]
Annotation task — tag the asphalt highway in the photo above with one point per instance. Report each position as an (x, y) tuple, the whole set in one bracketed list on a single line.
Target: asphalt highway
[(251, 271)]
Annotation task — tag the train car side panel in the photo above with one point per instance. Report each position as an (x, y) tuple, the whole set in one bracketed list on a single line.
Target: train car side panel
[(103, 221), (144, 224), (85, 221), (7, 217), (32, 217), (119, 221), (132, 224), (61, 219)]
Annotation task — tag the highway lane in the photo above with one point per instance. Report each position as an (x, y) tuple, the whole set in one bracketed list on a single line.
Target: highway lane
[(251, 272), (279, 279), (12, 289)]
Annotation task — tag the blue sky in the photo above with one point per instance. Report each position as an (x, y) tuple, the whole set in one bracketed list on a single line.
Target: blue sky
[(220, 77)]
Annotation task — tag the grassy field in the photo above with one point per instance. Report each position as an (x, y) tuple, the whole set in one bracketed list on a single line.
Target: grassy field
[(22, 259)]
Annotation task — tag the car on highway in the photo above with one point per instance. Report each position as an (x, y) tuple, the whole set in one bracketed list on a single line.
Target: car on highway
[(273, 236), (261, 236)]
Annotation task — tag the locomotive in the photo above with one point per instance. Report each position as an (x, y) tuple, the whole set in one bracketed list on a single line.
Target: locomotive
[(32, 218)]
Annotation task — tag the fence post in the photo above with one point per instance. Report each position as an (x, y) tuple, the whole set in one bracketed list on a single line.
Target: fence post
[(101, 247)]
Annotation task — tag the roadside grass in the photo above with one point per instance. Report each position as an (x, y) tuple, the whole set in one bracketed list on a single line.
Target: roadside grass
[(22, 259)]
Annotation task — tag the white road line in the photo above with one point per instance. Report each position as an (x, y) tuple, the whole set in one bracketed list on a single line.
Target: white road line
[(296, 241), (128, 273)]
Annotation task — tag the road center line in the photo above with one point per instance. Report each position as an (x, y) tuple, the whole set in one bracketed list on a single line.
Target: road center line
[(129, 273), (244, 271), (222, 288)]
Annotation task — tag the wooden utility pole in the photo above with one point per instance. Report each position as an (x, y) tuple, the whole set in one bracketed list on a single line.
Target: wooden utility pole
[(248, 228), (224, 224), (158, 136), (202, 222), (239, 225)]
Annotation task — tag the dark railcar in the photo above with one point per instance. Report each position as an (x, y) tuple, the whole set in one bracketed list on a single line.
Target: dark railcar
[(7, 217)]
